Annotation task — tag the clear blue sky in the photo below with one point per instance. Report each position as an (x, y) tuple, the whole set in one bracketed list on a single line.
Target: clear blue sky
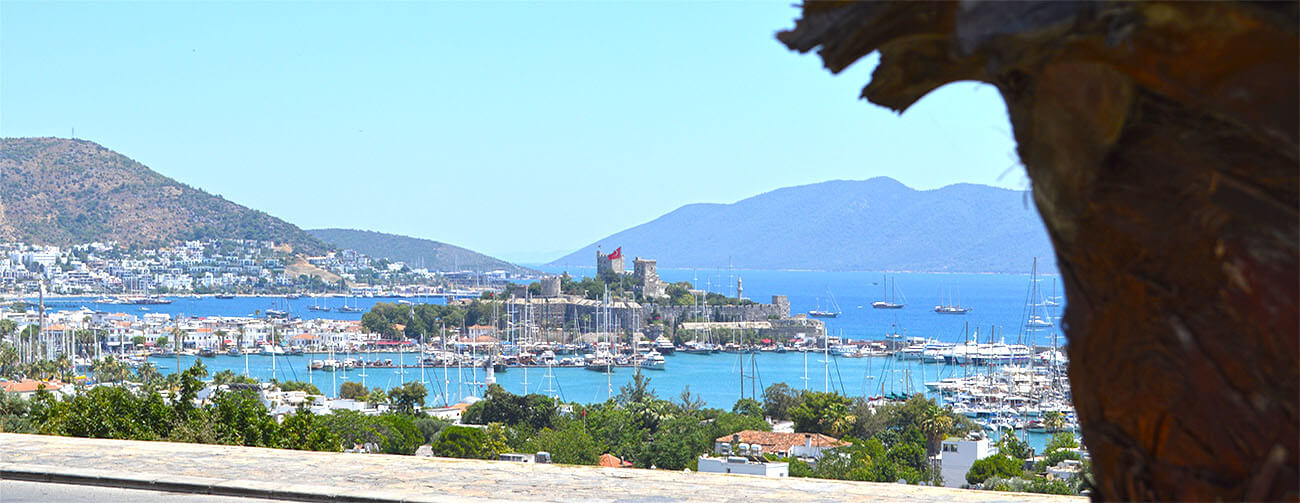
[(523, 130)]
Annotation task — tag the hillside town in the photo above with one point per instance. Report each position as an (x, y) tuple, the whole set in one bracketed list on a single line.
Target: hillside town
[(213, 266)]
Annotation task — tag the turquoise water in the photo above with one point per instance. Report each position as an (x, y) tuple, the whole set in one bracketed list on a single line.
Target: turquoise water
[(998, 302)]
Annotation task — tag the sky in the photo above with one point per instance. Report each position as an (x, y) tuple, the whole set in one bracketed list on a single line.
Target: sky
[(524, 130)]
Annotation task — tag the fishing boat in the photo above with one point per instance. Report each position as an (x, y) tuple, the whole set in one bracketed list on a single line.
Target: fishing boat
[(234, 352), (891, 300), (207, 353)]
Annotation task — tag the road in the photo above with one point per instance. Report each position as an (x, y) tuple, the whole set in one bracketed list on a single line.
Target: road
[(16, 491)]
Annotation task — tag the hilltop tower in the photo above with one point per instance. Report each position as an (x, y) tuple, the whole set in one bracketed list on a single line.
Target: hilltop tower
[(647, 278), (609, 266)]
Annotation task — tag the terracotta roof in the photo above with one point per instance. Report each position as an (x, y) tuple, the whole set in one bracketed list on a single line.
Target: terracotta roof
[(612, 461), (28, 385), (782, 442), (304, 337), (56, 327)]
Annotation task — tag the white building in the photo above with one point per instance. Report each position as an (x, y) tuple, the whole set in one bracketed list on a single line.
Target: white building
[(743, 466), (957, 455)]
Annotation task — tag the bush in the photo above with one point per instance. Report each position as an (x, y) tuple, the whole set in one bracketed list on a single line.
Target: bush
[(430, 428), (352, 390), (461, 442), (568, 445), (998, 465)]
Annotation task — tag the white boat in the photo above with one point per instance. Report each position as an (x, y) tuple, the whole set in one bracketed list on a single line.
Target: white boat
[(654, 361), (664, 346)]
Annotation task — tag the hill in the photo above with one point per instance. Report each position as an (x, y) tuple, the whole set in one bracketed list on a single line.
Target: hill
[(61, 192), (870, 225), (415, 252)]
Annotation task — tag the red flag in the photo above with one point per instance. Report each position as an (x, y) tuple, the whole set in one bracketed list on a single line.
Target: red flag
[(617, 253)]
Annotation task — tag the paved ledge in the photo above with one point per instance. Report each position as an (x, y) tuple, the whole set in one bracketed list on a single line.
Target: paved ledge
[(317, 476)]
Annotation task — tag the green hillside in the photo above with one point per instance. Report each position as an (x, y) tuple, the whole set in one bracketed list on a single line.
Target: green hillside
[(61, 192)]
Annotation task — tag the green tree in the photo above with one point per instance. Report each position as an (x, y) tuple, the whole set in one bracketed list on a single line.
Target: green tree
[(821, 412), (1014, 447), (407, 397), (748, 407), (778, 399), (997, 465), (935, 423), (352, 390), (571, 444), (461, 442)]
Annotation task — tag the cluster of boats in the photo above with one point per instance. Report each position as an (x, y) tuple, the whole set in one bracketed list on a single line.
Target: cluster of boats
[(1031, 398)]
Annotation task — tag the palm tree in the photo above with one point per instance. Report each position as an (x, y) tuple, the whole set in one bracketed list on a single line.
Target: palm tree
[(1054, 421), (935, 424), (83, 337), (148, 373)]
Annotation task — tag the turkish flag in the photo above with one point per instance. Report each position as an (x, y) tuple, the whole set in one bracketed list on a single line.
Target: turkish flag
[(617, 253)]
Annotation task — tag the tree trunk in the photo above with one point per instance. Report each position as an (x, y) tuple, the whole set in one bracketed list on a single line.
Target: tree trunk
[(1161, 139)]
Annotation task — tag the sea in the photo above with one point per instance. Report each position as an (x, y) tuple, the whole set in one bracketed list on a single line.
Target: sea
[(999, 307)]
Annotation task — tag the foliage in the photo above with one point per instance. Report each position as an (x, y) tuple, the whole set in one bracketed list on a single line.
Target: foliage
[(821, 412), (997, 465), (430, 428), (570, 444), (1030, 485), (407, 397), (462, 442), (234, 417), (501, 406), (748, 407), (1014, 447), (392, 433), (778, 399), (352, 390)]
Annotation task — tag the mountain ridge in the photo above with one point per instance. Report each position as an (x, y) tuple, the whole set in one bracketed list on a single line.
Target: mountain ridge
[(415, 252), (878, 224), (59, 191)]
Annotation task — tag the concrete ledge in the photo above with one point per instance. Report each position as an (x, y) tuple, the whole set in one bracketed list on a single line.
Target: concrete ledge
[(336, 477)]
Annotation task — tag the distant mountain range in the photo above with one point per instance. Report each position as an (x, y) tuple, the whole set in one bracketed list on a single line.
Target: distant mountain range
[(415, 252), (59, 191), (870, 225)]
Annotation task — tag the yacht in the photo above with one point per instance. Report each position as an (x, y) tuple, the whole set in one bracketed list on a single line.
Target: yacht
[(664, 346), (891, 301), (599, 363), (654, 361)]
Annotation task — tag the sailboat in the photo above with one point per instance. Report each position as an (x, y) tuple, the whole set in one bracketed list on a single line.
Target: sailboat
[(891, 301), (345, 308), (950, 307), (819, 313)]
